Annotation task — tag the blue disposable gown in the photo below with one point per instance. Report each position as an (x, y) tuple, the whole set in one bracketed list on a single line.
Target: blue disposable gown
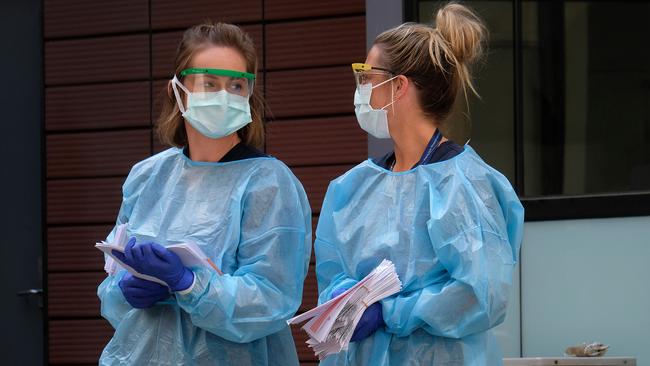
[(453, 230), (252, 218)]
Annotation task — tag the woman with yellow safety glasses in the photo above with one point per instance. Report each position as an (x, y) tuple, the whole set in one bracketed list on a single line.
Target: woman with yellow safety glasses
[(246, 211), (451, 224)]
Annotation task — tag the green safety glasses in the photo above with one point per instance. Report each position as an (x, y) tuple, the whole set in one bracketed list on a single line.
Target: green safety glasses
[(202, 80)]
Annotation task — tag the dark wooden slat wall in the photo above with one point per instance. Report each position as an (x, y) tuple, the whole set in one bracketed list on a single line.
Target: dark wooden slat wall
[(165, 43), (308, 141), (96, 60), (94, 154), (68, 249), (106, 65), (97, 106), (166, 14), (68, 18)]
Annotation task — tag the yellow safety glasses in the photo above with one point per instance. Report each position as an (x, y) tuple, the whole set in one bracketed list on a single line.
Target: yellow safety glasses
[(363, 72)]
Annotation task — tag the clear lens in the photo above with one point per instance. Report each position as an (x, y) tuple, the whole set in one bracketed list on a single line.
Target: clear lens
[(372, 77), (208, 83)]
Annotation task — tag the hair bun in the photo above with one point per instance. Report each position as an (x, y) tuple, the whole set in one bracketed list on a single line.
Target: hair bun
[(463, 31)]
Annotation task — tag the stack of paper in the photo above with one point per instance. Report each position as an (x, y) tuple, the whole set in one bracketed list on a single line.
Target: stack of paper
[(189, 253), (119, 242), (331, 324)]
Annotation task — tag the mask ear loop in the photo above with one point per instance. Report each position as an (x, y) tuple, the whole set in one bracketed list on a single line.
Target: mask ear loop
[(392, 95), (179, 101), (392, 101), (384, 82)]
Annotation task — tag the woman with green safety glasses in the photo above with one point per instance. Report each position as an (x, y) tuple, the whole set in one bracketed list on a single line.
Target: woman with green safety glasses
[(245, 210)]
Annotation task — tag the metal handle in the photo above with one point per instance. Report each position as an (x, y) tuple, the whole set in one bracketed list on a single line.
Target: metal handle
[(30, 292)]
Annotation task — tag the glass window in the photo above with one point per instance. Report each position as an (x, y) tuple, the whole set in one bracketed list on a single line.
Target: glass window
[(490, 123), (586, 95)]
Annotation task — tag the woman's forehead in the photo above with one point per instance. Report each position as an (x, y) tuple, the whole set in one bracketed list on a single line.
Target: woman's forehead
[(219, 57), (374, 56)]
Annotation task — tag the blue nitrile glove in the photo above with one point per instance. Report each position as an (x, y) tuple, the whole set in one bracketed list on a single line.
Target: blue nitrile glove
[(337, 292), (142, 294), (370, 321), (155, 260)]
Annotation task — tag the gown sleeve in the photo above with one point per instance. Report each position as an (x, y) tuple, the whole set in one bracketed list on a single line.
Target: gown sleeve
[(273, 257), (329, 266), (477, 242)]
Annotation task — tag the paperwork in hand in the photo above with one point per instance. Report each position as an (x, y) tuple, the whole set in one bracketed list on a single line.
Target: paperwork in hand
[(331, 324), (189, 253)]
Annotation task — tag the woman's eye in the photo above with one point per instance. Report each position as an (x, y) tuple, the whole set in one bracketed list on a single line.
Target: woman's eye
[(237, 86)]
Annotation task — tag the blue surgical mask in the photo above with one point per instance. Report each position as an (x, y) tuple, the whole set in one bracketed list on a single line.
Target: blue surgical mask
[(373, 121), (213, 114)]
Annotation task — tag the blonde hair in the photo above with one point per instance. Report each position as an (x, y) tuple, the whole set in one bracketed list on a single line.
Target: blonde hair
[(436, 59), (170, 127)]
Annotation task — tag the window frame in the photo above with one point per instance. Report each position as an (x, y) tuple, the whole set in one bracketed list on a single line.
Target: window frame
[(552, 207)]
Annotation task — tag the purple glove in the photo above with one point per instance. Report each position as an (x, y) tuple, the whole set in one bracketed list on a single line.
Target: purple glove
[(142, 294), (370, 321), (155, 260)]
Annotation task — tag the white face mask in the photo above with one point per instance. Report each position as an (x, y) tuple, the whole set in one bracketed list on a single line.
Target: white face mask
[(373, 121), (213, 114)]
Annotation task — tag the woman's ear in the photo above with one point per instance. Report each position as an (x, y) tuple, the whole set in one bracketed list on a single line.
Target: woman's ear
[(401, 87)]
